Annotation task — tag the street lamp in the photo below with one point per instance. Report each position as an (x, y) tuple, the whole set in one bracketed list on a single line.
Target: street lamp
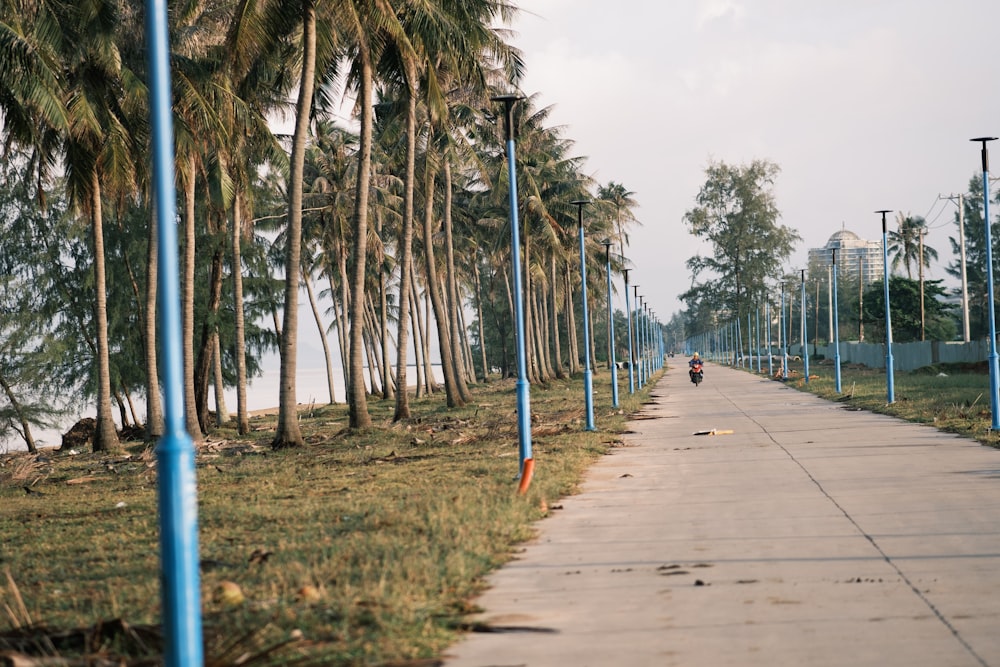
[(994, 390), (836, 324), (805, 332), (176, 485), (890, 388), (638, 341), (588, 378), (611, 328), (527, 463), (783, 334), (628, 316), (767, 336)]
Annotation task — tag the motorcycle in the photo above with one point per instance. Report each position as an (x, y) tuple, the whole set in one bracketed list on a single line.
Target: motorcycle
[(696, 373)]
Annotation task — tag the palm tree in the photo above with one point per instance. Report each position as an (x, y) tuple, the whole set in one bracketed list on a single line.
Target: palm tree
[(287, 433), (904, 244)]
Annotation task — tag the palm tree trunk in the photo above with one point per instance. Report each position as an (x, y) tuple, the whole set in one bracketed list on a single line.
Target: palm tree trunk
[(430, 381), (574, 344), (543, 328), (458, 353), (221, 411), (388, 391), (322, 335), (417, 339), (560, 372), (454, 397), (287, 433), (479, 315), (340, 313), (375, 349), (203, 368), (154, 408), (242, 415), (405, 250), (529, 317), (105, 436), (357, 396), (187, 302)]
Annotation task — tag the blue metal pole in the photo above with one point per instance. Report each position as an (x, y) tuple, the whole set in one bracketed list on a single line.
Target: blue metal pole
[(805, 330), (177, 490), (640, 368), (767, 326), (836, 325), (523, 387), (994, 374), (631, 353), (638, 339), (757, 318), (648, 335), (784, 335), (749, 342), (890, 387), (588, 377), (611, 330)]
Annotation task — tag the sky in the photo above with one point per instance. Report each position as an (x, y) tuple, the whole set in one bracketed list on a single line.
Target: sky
[(863, 104)]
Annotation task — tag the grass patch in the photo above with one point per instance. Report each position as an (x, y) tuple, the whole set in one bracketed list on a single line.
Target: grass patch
[(365, 548), (951, 397)]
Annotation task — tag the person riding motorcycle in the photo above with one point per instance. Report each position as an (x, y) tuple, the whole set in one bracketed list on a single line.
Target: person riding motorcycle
[(695, 366)]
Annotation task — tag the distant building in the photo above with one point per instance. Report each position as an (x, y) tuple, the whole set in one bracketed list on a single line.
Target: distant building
[(854, 254)]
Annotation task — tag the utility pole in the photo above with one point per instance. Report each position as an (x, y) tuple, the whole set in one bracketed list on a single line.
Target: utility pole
[(922, 337), (861, 300), (961, 246)]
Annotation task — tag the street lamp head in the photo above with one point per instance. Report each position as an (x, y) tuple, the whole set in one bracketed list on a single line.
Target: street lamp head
[(985, 153), (508, 100), (883, 212)]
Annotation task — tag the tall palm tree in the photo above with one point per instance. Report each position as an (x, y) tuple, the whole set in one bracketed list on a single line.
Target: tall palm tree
[(287, 433), (904, 244)]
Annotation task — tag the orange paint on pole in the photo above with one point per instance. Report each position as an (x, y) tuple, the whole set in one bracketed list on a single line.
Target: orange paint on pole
[(526, 472)]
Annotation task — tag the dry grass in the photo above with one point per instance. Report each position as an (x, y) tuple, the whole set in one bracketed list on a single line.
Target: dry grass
[(358, 549)]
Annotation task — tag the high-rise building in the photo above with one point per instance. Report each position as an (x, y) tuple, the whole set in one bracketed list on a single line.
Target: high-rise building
[(854, 255)]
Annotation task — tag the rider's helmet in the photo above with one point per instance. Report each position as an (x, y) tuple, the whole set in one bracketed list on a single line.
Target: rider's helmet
[(695, 355)]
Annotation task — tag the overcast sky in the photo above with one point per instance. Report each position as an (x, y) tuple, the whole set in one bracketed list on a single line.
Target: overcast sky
[(863, 104)]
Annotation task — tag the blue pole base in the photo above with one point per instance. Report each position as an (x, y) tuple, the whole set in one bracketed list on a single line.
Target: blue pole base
[(614, 385), (588, 393), (523, 421), (836, 366), (995, 389), (890, 381), (181, 590)]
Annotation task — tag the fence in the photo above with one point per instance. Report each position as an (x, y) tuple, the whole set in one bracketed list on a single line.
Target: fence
[(905, 356)]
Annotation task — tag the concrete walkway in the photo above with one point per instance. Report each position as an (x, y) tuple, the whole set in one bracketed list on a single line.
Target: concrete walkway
[(812, 535)]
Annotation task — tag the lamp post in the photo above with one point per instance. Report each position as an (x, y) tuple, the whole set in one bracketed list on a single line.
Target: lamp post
[(805, 332), (756, 315), (611, 328), (177, 492), (890, 388), (527, 463), (767, 337), (588, 378), (783, 334), (994, 389), (631, 353), (638, 340), (836, 324)]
